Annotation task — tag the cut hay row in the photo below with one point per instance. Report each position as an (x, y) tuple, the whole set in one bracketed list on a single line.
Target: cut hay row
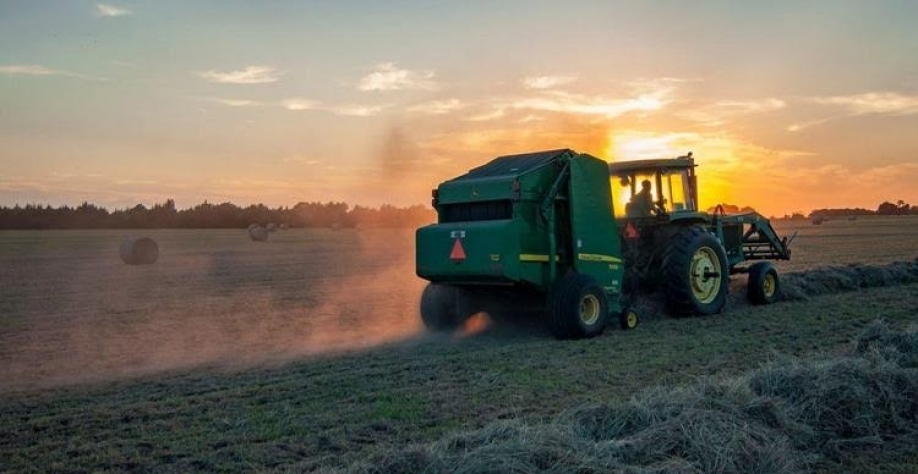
[(781, 418), (835, 279), (800, 286)]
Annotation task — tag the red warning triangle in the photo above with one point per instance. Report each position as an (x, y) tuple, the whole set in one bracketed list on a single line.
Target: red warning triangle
[(631, 232), (458, 252)]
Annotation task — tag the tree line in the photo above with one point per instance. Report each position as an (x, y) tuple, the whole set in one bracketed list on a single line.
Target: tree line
[(207, 215), (899, 208)]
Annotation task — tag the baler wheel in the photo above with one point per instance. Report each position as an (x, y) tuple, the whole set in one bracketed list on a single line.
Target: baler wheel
[(696, 272), (443, 307), (577, 307), (764, 285), (628, 319)]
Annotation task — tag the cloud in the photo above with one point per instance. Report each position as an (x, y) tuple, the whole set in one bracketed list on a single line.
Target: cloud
[(387, 77), (356, 110), (301, 159), (250, 75), (654, 83), (868, 103), (547, 82), (298, 104), (531, 118), (873, 103), (136, 182), (438, 107), (494, 114), (796, 127), (103, 9), (717, 113), (28, 70), (564, 102), (751, 106), (237, 102), (23, 70)]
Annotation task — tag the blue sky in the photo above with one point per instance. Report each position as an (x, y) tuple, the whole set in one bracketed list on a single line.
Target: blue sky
[(120, 103)]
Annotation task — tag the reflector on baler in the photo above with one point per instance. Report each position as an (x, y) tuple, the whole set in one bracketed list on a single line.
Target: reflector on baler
[(458, 253)]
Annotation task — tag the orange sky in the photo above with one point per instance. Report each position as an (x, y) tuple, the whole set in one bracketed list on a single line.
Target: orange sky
[(787, 107)]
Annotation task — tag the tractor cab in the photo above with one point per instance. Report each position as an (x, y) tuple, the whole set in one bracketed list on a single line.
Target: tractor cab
[(654, 188)]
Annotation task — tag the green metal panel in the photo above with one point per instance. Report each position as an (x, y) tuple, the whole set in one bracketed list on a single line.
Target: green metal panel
[(491, 252), (595, 238), (494, 180), (485, 189)]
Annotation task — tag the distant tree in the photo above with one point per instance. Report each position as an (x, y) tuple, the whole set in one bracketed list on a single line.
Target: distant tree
[(732, 209), (841, 212), (887, 209)]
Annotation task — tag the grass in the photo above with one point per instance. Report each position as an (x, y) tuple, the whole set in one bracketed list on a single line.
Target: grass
[(329, 412), (784, 417)]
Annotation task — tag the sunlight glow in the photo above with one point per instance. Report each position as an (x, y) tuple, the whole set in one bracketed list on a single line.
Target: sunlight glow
[(627, 146), (716, 156)]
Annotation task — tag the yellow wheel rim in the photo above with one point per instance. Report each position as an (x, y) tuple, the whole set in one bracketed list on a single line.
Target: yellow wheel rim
[(589, 309), (631, 319), (769, 285), (705, 275)]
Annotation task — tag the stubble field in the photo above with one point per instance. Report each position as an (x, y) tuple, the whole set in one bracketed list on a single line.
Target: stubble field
[(305, 353)]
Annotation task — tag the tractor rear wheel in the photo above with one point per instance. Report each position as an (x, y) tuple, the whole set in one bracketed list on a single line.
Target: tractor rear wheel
[(577, 307), (763, 286), (696, 273), (444, 307)]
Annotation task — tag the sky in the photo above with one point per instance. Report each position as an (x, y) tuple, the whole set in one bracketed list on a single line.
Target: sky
[(787, 105)]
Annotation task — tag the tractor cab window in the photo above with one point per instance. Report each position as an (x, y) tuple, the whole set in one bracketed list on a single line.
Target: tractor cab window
[(645, 194), (676, 190), (634, 195)]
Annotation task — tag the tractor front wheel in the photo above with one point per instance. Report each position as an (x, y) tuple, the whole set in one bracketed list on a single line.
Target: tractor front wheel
[(444, 307), (764, 286), (577, 307), (696, 272)]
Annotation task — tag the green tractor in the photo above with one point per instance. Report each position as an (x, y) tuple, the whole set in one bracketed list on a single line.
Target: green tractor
[(669, 244), (543, 229)]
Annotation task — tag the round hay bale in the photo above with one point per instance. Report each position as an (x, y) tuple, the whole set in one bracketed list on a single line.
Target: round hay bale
[(272, 227), (258, 233), (139, 251)]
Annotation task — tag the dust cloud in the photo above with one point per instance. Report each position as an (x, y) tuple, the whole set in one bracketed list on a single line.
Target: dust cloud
[(237, 304), (399, 154)]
